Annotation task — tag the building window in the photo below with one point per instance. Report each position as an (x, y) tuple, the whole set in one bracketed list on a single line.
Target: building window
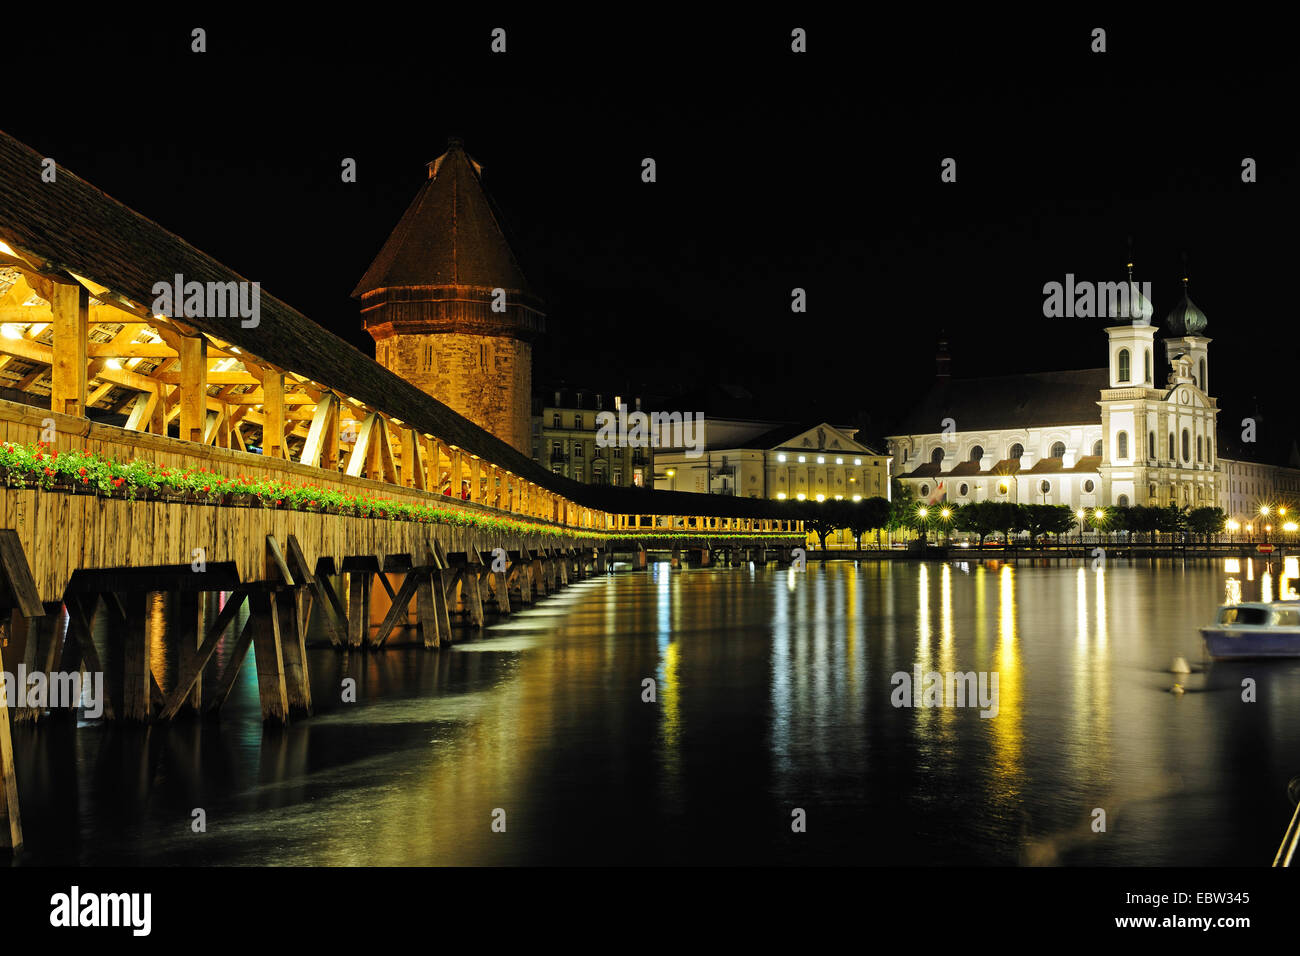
[(1123, 501), (905, 456), (555, 422), (1044, 486), (1097, 450), (1187, 446), (1205, 387), (618, 452), (577, 474), (1121, 444), (577, 449), (925, 490), (1209, 450), (1146, 359), (976, 454), (1058, 450), (1088, 486), (962, 491), (483, 356), (1171, 446), (1017, 450), (618, 477), (1151, 445), (1124, 370), (1199, 448), (936, 456)]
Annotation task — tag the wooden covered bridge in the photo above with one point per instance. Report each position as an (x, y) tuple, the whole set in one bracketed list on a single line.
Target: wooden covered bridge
[(233, 462)]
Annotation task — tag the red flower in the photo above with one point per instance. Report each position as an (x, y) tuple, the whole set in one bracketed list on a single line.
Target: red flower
[(81, 471)]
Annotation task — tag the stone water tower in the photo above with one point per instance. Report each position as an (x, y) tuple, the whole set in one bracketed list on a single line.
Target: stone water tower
[(449, 307)]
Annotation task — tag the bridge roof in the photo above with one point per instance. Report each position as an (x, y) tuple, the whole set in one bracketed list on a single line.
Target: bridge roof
[(76, 228), (448, 236)]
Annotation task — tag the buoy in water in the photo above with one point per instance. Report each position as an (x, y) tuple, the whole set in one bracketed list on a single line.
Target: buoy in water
[(1179, 666)]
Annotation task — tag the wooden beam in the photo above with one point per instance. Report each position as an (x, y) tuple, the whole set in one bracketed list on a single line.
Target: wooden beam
[(316, 436), (193, 388), (71, 322), (189, 674), (361, 448), (273, 414)]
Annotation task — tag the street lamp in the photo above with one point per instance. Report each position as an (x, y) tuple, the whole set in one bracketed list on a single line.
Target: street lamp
[(1264, 512), (1081, 514)]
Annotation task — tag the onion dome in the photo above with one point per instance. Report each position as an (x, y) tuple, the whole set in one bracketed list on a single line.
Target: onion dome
[(1185, 318)]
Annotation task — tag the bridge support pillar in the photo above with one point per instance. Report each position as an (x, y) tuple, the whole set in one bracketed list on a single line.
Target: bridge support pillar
[(358, 607), (41, 652), (676, 560), (293, 651), (640, 558), (269, 654)]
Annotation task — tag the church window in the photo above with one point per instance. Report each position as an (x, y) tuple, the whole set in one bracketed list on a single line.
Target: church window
[(925, 491), (1096, 448), (1147, 366), (1171, 446), (962, 490), (1203, 383), (1198, 448), (1121, 444), (1123, 501), (1058, 450), (976, 454), (1017, 450), (1088, 486), (1124, 371), (1209, 450), (1187, 446), (1151, 445), (936, 456), (1045, 486)]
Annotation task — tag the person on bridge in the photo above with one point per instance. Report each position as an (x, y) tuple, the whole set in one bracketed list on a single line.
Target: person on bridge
[(464, 491)]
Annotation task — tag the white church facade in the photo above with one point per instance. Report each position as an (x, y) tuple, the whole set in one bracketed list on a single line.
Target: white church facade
[(1140, 431)]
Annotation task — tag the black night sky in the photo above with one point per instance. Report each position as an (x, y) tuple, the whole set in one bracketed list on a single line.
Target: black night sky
[(774, 171)]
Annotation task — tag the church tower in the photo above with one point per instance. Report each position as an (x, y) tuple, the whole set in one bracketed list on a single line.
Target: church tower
[(448, 306)]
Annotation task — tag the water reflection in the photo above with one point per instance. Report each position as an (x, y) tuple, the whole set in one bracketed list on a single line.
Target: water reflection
[(773, 692)]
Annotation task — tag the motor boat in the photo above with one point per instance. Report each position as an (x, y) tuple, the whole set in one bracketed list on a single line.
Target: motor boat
[(1254, 630)]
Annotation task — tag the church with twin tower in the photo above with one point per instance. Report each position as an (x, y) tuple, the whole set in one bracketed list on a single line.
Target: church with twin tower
[(1140, 431), (449, 307)]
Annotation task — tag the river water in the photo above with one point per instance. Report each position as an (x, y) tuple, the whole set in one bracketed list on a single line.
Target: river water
[(773, 694)]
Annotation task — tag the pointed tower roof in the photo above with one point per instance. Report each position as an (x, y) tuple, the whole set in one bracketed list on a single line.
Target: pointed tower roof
[(449, 236), (1135, 307), (1185, 318)]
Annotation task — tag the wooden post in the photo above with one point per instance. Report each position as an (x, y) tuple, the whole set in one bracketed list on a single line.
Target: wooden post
[(271, 687), (136, 672), (358, 607), (11, 823), (475, 490), (293, 652), (71, 309), (194, 389)]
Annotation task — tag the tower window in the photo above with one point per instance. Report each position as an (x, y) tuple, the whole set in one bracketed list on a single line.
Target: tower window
[(1058, 450), (1151, 445), (1187, 446), (1199, 441), (1124, 370), (1171, 446), (1204, 383), (1121, 444), (1016, 452), (1147, 365)]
